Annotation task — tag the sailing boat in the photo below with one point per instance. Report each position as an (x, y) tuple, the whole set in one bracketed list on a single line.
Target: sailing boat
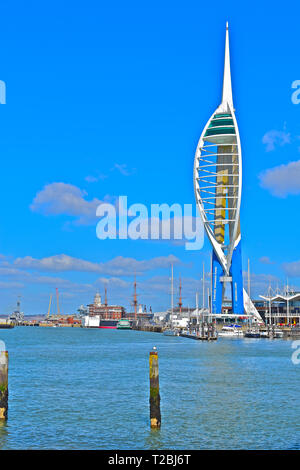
[(171, 331)]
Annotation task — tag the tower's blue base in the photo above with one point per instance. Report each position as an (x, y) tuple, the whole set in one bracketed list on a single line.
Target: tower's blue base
[(218, 289)]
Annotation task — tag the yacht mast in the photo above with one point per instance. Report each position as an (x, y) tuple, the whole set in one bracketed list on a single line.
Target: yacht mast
[(172, 294), (197, 308), (248, 289), (203, 294)]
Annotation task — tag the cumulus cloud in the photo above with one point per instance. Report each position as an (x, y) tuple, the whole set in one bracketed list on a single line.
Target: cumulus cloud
[(11, 271), (22, 276), (118, 266), (292, 269), (120, 167), (260, 283), (95, 179), (28, 272), (123, 169), (66, 199), (265, 260), (282, 180), (11, 285), (56, 263), (273, 138), (113, 282)]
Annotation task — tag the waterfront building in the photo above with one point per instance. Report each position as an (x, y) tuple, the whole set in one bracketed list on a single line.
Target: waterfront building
[(105, 311), (283, 309), (218, 188), (103, 315)]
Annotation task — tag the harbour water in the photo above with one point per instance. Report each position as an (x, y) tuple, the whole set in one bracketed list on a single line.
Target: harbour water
[(73, 388)]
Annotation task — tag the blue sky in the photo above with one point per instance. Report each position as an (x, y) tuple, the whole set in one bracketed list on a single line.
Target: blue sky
[(110, 98)]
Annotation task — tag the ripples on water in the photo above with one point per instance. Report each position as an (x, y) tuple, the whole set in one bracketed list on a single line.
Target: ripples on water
[(89, 389)]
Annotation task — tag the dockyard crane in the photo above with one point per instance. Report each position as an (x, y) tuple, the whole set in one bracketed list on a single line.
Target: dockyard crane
[(48, 314), (57, 302)]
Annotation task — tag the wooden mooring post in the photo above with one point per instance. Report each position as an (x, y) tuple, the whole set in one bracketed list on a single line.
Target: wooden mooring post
[(3, 384), (155, 417)]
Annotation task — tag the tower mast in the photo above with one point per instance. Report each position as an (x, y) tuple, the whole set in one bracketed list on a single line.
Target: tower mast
[(227, 87)]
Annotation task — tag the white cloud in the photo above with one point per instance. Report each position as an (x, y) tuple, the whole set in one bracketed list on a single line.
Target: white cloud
[(56, 263), (118, 266), (91, 179), (11, 271), (66, 199), (265, 260), (95, 179), (23, 276), (273, 138), (120, 167), (113, 282), (11, 285), (282, 180), (123, 169), (292, 269), (260, 283)]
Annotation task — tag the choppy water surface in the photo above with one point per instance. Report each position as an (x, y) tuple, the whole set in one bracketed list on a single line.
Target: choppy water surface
[(72, 388)]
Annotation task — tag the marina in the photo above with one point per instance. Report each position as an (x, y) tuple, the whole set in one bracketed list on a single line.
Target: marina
[(213, 394)]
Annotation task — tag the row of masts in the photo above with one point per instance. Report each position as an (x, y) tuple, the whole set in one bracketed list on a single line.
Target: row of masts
[(180, 294), (180, 303)]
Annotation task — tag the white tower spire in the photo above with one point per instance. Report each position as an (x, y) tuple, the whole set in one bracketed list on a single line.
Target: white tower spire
[(227, 89)]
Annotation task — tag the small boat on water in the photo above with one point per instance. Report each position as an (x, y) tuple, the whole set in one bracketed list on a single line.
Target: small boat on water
[(231, 331), (171, 332), (207, 334), (123, 325), (264, 334), (278, 333), (271, 333), (252, 333)]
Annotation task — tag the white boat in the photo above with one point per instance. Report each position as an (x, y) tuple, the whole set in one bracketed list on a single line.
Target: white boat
[(171, 332), (275, 333), (252, 333), (278, 333), (264, 334), (232, 330)]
